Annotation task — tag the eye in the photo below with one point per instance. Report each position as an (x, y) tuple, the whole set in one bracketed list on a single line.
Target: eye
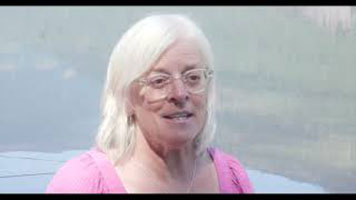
[(193, 77), (159, 81)]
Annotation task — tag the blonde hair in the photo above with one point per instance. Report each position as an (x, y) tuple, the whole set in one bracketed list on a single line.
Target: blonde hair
[(137, 50)]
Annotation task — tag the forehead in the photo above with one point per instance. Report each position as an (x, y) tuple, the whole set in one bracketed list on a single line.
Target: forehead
[(181, 56)]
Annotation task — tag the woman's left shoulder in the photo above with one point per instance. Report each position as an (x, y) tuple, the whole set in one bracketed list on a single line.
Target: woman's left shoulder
[(232, 169)]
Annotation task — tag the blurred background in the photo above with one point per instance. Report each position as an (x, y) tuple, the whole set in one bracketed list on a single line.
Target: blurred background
[(285, 78)]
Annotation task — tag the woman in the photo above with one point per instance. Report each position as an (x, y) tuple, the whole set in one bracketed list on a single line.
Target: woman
[(158, 119)]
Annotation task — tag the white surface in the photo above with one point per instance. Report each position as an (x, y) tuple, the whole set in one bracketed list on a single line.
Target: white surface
[(30, 172), (25, 172), (271, 183)]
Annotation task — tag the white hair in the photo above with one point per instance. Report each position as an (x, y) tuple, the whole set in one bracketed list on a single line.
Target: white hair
[(136, 52)]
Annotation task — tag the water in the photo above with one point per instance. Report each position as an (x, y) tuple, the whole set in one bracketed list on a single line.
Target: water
[(286, 86)]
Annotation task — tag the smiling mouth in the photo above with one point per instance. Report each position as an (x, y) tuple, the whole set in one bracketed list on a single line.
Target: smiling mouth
[(179, 116)]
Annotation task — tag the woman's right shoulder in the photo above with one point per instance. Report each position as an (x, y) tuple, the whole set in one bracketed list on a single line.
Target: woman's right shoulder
[(78, 175)]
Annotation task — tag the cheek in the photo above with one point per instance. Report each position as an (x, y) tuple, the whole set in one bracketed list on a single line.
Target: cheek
[(150, 106), (147, 118), (200, 105), (147, 111), (143, 103)]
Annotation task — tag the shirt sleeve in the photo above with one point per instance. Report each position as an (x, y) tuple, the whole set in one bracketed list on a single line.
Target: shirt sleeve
[(239, 176), (79, 175), (232, 175)]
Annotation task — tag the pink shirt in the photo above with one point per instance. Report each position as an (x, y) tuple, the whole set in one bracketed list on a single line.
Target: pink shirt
[(92, 172)]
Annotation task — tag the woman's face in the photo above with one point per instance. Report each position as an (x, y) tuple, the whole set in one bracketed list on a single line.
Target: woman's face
[(172, 118)]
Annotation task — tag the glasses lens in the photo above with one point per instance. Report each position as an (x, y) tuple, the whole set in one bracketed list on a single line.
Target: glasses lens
[(158, 81), (196, 80), (159, 85)]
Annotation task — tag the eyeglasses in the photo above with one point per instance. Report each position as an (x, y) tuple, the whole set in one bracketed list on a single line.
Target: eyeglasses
[(160, 85)]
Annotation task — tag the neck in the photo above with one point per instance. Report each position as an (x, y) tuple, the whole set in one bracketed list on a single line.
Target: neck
[(164, 162)]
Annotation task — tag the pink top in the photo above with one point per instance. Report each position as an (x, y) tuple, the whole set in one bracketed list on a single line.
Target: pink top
[(92, 172)]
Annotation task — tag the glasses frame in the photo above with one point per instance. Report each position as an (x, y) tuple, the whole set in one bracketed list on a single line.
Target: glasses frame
[(208, 73)]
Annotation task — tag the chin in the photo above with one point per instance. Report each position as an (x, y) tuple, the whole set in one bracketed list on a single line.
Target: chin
[(180, 139)]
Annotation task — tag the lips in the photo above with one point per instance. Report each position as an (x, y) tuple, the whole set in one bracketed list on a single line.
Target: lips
[(178, 115)]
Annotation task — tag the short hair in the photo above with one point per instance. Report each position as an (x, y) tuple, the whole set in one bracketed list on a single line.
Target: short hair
[(135, 53)]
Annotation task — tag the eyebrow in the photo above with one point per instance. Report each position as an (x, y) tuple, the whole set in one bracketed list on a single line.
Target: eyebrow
[(187, 68)]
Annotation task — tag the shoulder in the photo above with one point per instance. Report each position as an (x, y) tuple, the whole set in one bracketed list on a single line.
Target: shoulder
[(78, 175), (232, 171)]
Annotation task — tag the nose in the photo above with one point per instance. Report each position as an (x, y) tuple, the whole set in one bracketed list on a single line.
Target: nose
[(179, 93)]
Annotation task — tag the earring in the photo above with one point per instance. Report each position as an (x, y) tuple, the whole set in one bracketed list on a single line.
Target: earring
[(130, 119)]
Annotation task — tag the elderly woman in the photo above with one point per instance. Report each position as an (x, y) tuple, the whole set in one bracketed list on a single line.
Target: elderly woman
[(158, 119)]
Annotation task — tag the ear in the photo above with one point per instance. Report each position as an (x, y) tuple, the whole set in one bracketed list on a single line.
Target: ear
[(129, 105), (129, 108)]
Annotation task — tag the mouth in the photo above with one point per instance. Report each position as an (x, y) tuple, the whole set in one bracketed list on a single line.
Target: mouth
[(179, 116)]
